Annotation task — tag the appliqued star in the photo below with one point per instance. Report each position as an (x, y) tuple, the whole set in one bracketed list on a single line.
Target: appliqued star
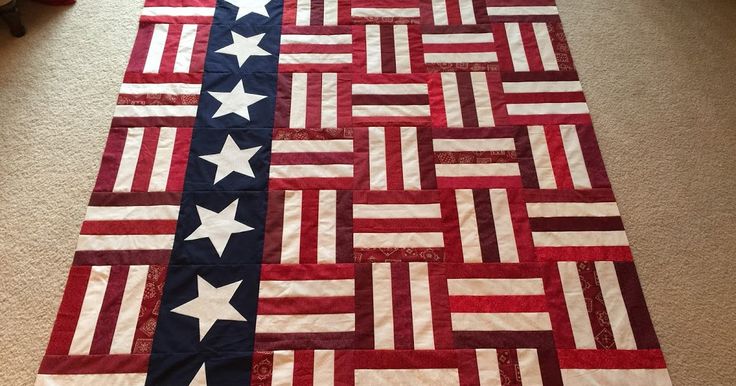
[(200, 379), (236, 101), (218, 227), (211, 304), (232, 159), (244, 47), (250, 6)]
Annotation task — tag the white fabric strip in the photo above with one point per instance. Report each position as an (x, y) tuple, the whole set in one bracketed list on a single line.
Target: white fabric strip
[(160, 88), (401, 49), (469, 238), (439, 11), (477, 170), (317, 39), (495, 287), (516, 47), (130, 306), (542, 86), (129, 160), (311, 171), (488, 372), (390, 89), (458, 38), (90, 311), (467, 11), (156, 48), (178, 11), (303, 12), (298, 109), (572, 209), (330, 12), (122, 379), (283, 368), (312, 146), (141, 111), (528, 359), (410, 159), (547, 108), (482, 97), (574, 155), (384, 12), (315, 58), (377, 158), (542, 161), (327, 227), (615, 306), (378, 211), (391, 110), (328, 114), (577, 310), (421, 306), (546, 51), (149, 212), (373, 48), (383, 315), (305, 323), (162, 160), (501, 321), (292, 225), (453, 110), (616, 377), (124, 242), (186, 47), (465, 57), (399, 240), (522, 10), (324, 367), (474, 144), (306, 288), (504, 228), (580, 239), (381, 377)]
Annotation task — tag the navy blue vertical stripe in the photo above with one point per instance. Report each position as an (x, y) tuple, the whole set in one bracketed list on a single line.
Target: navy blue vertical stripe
[(179, 352)]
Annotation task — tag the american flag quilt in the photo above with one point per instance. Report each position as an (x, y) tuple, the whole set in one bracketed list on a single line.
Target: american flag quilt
[(352, 192)]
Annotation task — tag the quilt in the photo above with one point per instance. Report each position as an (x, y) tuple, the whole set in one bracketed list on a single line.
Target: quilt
[(352, 192)]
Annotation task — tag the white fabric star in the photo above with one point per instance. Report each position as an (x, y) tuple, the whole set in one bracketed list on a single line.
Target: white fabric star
[(211, 304), (244, 47), (236, 101), (218, 227), (232, 159), (250, 6), (200, 379)]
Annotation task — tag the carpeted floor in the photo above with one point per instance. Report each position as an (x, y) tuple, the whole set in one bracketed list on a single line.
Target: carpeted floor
[(660, 76)]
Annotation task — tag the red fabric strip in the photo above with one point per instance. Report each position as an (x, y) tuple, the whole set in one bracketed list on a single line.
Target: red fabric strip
[(111, 159), (146, 157), (306, 305), (69, 309), (611, 359), (107, 320)]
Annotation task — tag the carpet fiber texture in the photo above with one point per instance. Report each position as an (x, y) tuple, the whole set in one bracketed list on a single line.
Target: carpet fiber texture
[(659, 79)]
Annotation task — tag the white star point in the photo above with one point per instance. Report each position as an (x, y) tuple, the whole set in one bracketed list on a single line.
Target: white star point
[(200, 379), (218, 227), (246, 7), (232, 159), (244, 47), (236, 101), (211, 304)]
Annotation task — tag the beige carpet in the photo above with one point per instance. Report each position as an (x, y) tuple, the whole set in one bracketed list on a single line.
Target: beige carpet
[(660, 76)]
